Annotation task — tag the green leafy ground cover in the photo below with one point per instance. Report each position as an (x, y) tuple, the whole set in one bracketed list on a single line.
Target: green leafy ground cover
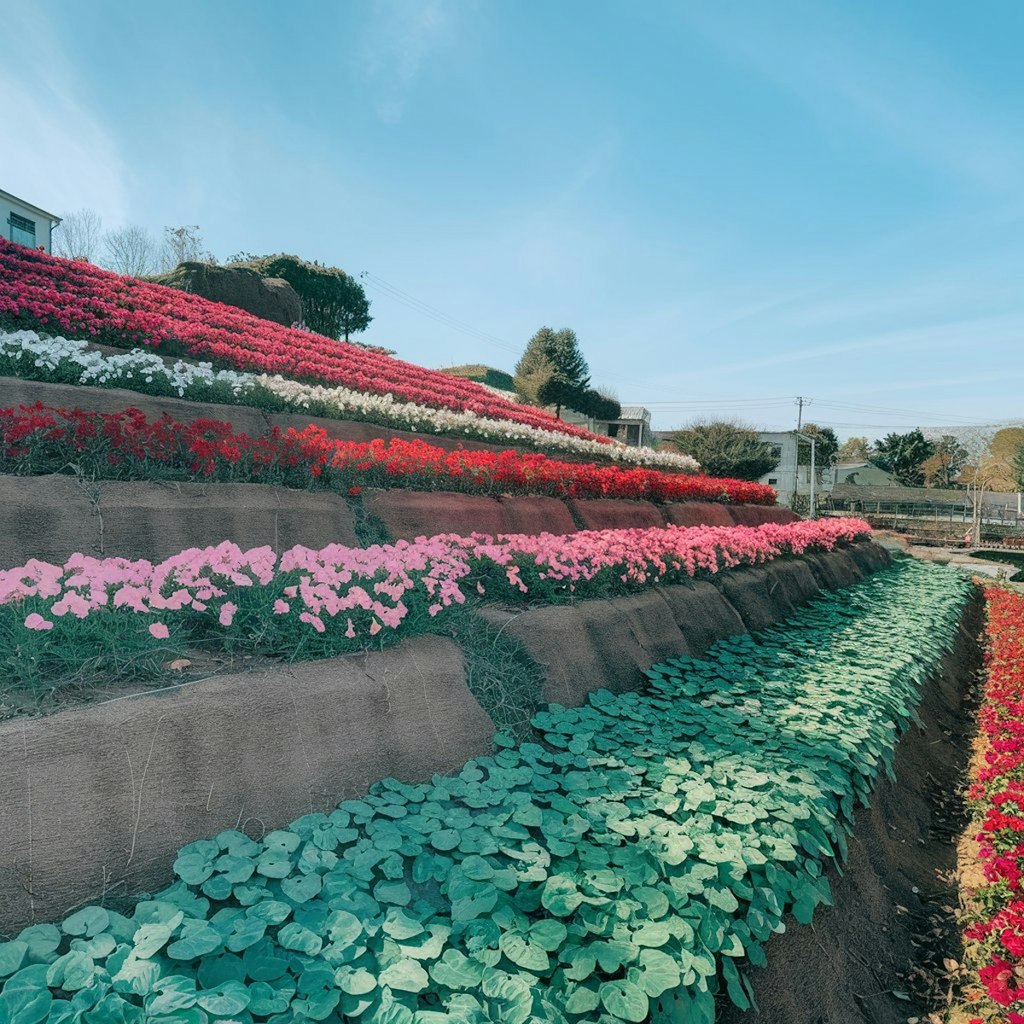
[(617, 871)]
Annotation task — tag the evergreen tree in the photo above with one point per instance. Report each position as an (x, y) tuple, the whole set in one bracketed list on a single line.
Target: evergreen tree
[(554, 370), (1018, 469), (570, 376), (903, 455), (599, 406)]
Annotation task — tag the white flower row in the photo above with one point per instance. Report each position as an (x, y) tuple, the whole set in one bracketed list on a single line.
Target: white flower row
[(62, 359), (27, 354), (409, 416)]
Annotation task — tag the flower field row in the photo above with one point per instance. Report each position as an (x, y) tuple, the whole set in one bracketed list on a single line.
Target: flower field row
[(340, 599), (995, 934), (38, 439), (43, 292), (618, 871), (59, 360)]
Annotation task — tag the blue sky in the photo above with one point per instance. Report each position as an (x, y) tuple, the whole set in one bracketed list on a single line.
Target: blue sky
[(731, 204)]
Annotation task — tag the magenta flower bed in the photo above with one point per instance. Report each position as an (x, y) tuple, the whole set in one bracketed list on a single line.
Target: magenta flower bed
[(42, 291)]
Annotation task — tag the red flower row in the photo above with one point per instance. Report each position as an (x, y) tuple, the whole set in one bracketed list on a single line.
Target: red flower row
[(996, 936), (39, 439), (41, 291)]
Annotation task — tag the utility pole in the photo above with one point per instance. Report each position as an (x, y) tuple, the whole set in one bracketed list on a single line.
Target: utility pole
[(800, 403)]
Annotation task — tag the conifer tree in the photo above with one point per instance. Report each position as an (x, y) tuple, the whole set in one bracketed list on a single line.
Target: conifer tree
[(553, 371)]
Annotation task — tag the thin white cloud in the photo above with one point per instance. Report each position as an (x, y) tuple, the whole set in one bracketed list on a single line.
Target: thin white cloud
[(60, 156), (962, 335), (402, 37)]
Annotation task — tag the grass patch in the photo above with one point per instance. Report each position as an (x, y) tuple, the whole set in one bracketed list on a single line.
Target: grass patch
[(370, 529), (499, 672)]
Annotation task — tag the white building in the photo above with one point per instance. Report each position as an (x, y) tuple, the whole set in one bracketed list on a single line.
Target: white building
[(26, 224), (789, 478)]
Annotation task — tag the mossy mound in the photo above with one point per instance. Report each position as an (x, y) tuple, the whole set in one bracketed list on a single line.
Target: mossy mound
[(483, 375), (268, 297)]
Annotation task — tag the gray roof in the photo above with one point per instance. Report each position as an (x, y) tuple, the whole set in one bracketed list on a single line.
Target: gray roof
[(633, 412), (874, 492), (29, 206)]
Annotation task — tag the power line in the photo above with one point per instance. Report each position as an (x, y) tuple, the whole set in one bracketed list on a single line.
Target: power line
[(854, 407), (720, 402), (942, 418), (433, 313)]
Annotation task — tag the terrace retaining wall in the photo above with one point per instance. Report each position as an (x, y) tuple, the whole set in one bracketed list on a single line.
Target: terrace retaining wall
[(54, 516), (609, 644), (95, 801)]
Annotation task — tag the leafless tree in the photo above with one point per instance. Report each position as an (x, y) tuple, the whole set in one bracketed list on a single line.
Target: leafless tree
[(78, 236), (130, 250), (183, 244), (980, 472)]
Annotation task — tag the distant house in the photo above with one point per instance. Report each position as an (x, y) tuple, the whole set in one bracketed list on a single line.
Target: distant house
[(633, 427), (789, 478), (26, 224)]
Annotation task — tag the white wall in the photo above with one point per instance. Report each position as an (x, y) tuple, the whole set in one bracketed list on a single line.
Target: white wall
[(789, 477), (7, 207)]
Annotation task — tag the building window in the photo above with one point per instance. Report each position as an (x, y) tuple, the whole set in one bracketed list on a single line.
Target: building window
[(23, 230), (773, 480), (613, 429), (776, 451)]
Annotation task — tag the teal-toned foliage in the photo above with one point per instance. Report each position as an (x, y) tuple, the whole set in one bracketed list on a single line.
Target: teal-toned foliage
[(619, 870)]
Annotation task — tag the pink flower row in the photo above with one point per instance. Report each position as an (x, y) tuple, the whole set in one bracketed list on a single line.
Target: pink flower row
[(357, 592)]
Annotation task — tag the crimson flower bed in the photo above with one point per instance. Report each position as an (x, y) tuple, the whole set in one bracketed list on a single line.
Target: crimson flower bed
[(995, 933), (44, 292), (127, 446)]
